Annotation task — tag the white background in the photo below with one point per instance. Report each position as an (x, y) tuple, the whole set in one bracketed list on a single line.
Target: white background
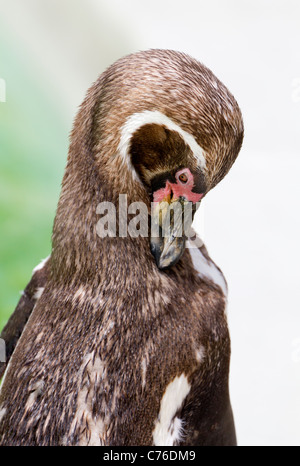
[(251, 220)]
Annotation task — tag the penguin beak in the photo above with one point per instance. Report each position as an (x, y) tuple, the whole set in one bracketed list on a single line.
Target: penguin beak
[(170, 220)]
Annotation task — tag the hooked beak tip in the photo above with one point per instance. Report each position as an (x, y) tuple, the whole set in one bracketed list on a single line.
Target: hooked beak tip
[(167, 258)]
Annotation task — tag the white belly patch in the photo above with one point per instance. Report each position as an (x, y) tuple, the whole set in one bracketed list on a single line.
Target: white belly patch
[(168, 428), (206, 269)]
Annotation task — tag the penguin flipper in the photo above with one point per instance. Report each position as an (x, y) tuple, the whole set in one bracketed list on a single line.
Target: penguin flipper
[(17, 321)]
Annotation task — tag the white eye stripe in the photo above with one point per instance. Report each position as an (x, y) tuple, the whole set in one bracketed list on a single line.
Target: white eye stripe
[(137, 120)]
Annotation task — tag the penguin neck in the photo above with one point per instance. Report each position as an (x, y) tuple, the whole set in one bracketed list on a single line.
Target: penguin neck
[(92, 233)]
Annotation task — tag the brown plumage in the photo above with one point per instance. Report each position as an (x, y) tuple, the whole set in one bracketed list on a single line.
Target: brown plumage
[(112, 336)]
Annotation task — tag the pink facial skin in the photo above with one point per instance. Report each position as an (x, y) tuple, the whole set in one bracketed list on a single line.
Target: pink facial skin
[(178, 189)]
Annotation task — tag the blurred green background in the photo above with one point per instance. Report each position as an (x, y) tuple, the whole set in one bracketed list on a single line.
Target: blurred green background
[(33, 147)]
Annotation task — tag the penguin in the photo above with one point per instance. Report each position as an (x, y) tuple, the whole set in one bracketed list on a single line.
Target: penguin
[(122, 339)]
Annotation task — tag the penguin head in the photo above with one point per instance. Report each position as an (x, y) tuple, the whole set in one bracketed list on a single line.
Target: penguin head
[(158, 126), (180, 133)]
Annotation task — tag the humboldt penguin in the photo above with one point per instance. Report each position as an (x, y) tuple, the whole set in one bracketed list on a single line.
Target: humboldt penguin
[(121, 336)]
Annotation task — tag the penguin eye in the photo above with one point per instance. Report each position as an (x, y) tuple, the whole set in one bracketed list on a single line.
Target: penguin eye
[(183, 178)]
